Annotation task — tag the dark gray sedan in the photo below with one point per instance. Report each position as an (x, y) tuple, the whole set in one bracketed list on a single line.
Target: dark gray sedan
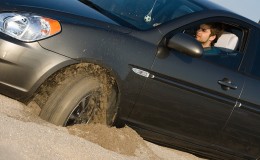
[(136, 62)]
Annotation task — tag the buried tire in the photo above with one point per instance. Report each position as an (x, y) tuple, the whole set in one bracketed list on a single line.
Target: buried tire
[(80, 100)]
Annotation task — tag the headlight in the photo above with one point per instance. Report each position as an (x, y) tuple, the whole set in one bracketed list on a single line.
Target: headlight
[(28, 27)]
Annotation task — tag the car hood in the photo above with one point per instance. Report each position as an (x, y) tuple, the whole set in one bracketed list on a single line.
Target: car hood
[(74, 7)]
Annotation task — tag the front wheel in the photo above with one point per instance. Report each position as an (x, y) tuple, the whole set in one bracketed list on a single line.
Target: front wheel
[(80, 100)]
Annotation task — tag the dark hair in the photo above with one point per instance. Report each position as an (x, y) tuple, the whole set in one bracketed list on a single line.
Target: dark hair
[(216, 29)]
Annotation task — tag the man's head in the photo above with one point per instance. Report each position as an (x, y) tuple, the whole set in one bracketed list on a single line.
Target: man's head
[(209, 33)]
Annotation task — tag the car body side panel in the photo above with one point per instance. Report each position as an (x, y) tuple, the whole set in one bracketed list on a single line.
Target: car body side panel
[(116, 51), (187, 99)]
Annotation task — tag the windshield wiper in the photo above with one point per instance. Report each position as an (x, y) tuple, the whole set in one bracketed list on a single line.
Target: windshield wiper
[(92, 5)]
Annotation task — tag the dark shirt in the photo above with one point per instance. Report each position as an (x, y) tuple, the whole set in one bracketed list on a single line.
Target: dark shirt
[(212, 51)]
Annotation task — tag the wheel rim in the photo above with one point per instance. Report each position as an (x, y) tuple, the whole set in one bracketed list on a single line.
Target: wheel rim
[(84, 111)]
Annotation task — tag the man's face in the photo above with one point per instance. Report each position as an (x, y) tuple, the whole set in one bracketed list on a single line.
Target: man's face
[(203, 34)]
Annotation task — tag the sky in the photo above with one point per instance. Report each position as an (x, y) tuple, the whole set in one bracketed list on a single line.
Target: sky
[(247, 8)]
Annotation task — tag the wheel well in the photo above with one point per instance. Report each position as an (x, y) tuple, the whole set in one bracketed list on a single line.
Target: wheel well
[(40, 97)]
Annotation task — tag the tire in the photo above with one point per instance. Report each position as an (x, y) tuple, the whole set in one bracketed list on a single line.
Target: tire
[(80, 100)]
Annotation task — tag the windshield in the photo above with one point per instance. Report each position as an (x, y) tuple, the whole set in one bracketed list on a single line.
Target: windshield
[(144, 14)]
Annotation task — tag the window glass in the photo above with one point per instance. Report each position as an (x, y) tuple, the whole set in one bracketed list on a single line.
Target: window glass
[(225, 50), (146, 14)]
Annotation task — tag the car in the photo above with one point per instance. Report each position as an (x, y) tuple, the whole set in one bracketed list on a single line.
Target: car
[(137, 63)]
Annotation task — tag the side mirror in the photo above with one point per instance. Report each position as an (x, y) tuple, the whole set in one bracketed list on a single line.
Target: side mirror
[(186, 44)]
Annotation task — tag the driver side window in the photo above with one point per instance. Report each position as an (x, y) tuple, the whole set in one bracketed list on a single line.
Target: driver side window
[(221, 43)]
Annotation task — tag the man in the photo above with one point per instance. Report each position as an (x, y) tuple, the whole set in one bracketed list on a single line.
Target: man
[(208, 35)]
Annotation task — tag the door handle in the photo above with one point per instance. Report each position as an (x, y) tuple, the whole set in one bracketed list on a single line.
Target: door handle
[(226, 84)]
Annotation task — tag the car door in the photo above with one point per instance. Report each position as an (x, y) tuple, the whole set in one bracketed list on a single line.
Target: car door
[(242, 132), (184, 98)]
